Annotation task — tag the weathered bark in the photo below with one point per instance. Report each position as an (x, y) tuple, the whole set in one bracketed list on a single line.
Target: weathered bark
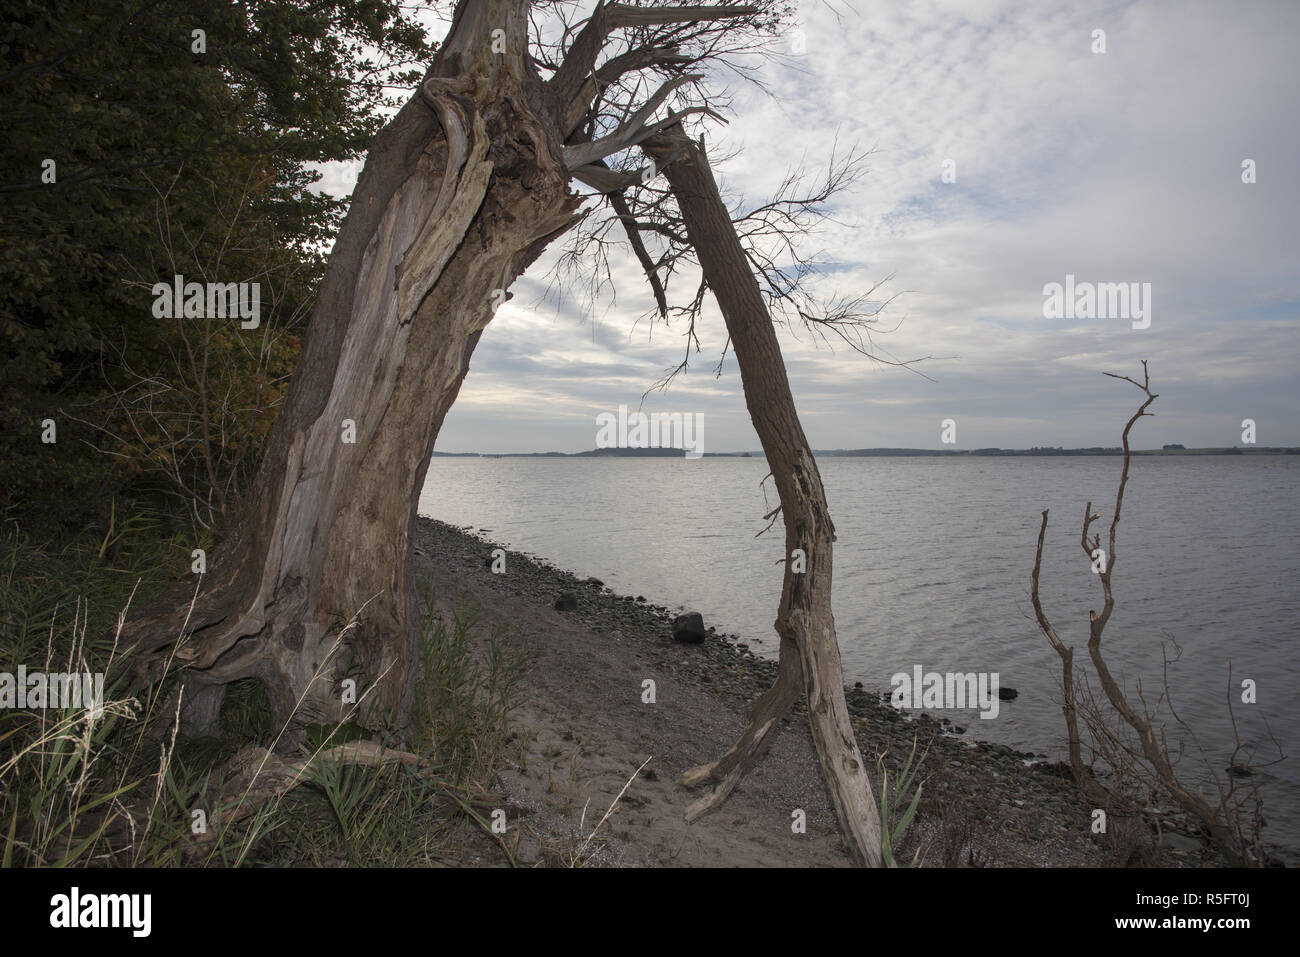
[(460, 193), (804, 620)]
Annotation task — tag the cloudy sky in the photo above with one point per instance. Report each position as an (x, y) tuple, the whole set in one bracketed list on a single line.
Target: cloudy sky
[(1122, 166)]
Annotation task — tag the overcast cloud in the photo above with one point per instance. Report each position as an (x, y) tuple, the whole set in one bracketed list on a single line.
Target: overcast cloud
[(1117, 167)]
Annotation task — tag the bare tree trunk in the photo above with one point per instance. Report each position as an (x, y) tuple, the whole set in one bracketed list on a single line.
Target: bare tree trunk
[(460, 193), (1152, 740), (1153, 745), (804, 620), (1083, 776)]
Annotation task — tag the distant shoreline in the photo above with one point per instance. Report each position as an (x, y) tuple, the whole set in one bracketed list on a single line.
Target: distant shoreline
[(878, 453)]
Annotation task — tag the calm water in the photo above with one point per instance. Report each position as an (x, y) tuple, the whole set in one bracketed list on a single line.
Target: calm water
[(932, 567)]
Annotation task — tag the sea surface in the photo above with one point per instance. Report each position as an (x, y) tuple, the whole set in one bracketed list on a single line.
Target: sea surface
[(932, 567)]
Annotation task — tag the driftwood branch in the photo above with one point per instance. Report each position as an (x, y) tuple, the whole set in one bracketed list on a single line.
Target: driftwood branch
[(601, 178), (1153, 746)]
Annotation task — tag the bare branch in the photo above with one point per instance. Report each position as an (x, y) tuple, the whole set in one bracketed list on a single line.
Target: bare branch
[(610, 73), (1149, 760), (632, 132), (580, 59), (638, 247)]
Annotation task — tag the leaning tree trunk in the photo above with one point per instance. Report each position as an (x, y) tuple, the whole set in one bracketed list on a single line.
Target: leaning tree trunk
[(804, 621), (460, 192)]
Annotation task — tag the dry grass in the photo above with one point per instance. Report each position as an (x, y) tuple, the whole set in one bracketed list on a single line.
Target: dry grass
[(115, 785)]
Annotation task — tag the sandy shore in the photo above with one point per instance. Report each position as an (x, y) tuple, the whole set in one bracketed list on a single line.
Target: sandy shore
[(583, 730)]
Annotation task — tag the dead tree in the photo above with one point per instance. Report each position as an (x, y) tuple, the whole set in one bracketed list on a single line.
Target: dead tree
[(1070, 707), (809, 652), (1153, 746), (686, 228), (461, 191)]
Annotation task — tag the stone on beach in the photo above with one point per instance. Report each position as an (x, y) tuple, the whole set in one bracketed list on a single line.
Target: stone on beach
[(689, 628)]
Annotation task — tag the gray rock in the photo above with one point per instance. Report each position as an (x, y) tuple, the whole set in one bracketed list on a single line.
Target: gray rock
[(566, 602), (689, 628)]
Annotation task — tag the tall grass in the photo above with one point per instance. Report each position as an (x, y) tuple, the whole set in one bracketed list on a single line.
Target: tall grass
[(115, 786), (896, 810), (463, 698), (63, 789)]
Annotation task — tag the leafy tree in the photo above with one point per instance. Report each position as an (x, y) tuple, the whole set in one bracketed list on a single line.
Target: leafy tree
[(115, 111)]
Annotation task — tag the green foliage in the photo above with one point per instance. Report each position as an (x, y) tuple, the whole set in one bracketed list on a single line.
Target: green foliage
[(358, 799), (893, 797), (462, 701), (46, 588), (167, 161)]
